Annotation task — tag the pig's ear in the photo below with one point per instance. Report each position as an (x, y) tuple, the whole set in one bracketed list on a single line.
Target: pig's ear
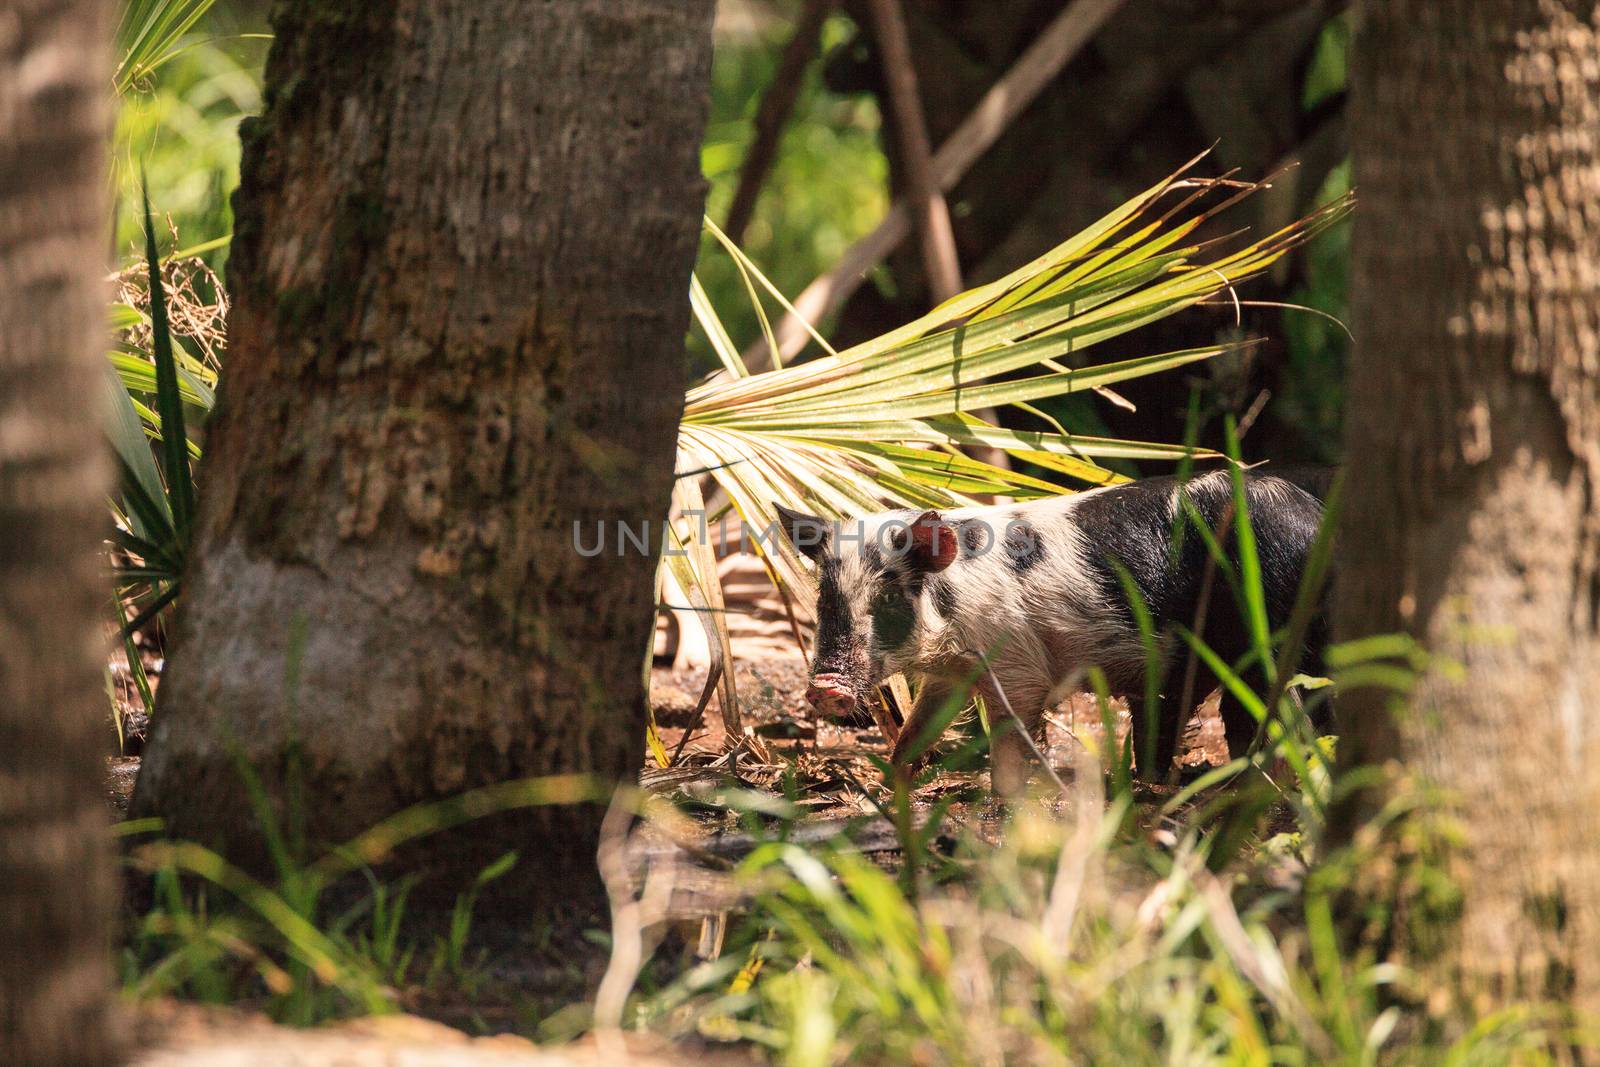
[(933, 543), (808, 533)]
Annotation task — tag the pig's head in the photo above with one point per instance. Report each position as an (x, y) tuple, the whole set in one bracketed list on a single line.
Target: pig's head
[(870, 574)]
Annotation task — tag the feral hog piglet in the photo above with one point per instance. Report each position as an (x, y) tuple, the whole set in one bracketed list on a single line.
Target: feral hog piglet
[(1024, 598)]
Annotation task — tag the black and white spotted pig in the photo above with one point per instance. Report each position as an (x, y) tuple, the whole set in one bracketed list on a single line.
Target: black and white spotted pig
[(1034, 587)]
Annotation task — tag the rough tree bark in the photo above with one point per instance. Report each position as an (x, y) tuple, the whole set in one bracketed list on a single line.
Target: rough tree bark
[(55, 858), (1474, 450), (464, 236)]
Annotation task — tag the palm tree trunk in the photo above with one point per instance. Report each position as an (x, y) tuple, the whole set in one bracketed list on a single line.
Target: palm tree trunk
[(1474, 449), (56, 885), (459, 274)]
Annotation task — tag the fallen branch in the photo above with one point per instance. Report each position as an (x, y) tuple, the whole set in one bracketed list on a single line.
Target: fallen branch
[(932, 214)]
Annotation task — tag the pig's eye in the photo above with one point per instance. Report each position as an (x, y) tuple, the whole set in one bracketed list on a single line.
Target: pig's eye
[(892, 619)]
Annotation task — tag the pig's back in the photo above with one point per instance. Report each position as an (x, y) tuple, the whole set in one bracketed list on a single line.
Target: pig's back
[(1132, 526)]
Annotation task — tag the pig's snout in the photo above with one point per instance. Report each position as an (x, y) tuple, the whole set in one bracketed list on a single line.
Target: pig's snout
[(831, 695)]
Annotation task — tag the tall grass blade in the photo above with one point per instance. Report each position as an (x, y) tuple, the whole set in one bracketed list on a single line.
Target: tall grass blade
[(169, 400), (677, 560), (139, 469), (1150, 641), (1250, 578)]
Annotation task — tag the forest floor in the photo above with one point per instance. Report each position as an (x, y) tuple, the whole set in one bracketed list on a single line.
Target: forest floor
[(826, 764), (826, 768)]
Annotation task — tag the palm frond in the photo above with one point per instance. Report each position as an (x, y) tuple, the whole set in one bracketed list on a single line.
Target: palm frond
[(882, 424)]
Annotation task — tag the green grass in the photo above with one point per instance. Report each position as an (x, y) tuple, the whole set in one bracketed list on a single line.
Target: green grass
[(299, 944), (1076, 941)]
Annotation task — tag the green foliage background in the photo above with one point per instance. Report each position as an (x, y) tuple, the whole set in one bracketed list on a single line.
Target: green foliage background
[(828, 186)]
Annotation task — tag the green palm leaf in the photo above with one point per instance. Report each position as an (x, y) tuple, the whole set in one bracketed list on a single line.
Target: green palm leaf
[(150, 34)]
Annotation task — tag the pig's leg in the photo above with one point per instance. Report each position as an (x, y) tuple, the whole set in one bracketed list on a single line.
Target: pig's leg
[(1010, 754), (1170, 719), (1241, 727), (933, 696), (1238, 724)]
